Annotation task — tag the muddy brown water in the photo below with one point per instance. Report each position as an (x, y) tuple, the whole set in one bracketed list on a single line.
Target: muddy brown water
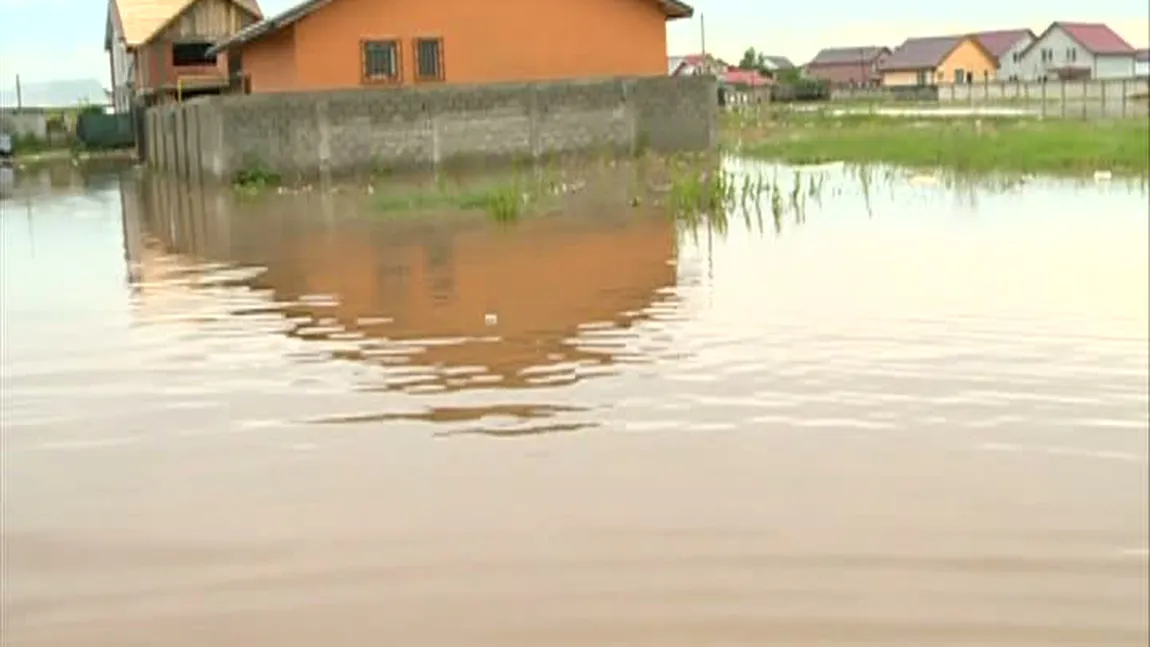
[(916, 417)]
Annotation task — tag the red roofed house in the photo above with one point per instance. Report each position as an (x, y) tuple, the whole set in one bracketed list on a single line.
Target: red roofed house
[(853, 66), (744, 78), (1077, 50)]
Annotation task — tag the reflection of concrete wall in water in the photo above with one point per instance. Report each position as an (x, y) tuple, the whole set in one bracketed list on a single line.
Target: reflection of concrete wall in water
[(308, 133), (544, 278)]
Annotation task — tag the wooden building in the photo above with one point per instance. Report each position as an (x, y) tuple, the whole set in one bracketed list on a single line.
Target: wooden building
[(158, 49)]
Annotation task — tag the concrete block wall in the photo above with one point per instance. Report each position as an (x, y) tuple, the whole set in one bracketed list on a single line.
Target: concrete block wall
[(304, 134), (1092, 90), (24, 124), (1087, 99)]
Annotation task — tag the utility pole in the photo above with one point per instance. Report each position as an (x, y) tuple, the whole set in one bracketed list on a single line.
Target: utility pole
[(19, 94), (703, 36)]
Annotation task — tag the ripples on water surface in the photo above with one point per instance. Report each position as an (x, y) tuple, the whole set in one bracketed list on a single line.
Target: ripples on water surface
[(919, 417)]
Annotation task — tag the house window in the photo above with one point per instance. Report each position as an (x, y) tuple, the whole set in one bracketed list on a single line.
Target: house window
[(1071, 54), (192, 54), (428, 59), (380, 61)]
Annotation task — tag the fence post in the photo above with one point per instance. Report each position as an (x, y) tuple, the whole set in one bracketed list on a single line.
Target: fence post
[(1085, 98), (1043, 86), (1062, 96), (1124, 98), (1102, 87)]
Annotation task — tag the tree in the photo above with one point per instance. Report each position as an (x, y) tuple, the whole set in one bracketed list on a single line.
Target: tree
[(751, 60), (793, 75)]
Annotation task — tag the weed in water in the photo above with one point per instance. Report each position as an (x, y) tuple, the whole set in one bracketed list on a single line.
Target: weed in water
[(255, 177), (704, 197), (504, 201)]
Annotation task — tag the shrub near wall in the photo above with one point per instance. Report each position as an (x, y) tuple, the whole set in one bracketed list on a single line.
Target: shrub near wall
[(800, 90)]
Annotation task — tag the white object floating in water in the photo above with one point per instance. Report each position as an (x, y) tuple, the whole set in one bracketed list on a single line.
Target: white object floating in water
[(1101, 176), (490, 319)]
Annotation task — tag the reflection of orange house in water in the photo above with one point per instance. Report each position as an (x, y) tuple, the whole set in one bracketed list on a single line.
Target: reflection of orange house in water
[(437, 279)]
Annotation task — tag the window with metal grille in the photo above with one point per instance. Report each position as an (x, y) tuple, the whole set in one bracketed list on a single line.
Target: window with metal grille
[(380, 61), (429, 59)]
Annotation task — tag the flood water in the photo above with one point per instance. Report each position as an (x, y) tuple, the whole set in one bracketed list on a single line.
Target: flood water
[(915, 416)]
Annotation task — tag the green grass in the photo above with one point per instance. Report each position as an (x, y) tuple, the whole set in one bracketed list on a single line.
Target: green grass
[(255, 178), (505, 200), (1024, 145)]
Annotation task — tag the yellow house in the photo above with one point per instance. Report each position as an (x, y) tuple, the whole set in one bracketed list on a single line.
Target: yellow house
[(939, 60)]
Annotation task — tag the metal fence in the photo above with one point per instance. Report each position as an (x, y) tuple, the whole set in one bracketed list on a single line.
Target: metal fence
[(97, 130)]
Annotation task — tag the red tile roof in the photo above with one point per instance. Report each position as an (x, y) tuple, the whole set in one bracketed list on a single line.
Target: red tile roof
[(735, 76), (1000, 41), (1094, 37)]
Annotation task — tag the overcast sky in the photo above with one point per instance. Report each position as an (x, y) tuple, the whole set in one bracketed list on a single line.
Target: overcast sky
[(63, 39)]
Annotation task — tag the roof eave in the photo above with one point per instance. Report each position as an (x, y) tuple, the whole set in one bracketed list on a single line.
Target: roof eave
[(901, 68), (675, 10), (266, 26)]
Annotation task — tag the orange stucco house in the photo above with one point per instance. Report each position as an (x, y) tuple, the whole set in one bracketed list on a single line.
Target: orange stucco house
[(332, 44)]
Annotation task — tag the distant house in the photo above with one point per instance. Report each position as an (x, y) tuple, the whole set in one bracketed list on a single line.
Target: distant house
[(744, 79), (939, 60), (157, 49), (695, 64), (335, 44), (1007, 46), (1142, 63), (776, 64), (1075, 50), (848, 65)]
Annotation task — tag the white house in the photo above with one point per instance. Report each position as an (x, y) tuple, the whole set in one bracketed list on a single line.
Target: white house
[(1142, 63), (694, 65), (1007, 46), (1074, 50), (122, 61)]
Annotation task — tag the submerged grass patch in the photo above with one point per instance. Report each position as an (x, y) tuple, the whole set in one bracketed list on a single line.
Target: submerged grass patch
[(975, 144), (254, 178), (502, 200), (712, 196)]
